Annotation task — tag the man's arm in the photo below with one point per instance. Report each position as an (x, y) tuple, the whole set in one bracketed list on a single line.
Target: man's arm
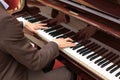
[(16, 45)]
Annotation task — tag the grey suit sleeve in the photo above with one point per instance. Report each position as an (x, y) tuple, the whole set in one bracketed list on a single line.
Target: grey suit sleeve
[(29, 56), (16, 45)]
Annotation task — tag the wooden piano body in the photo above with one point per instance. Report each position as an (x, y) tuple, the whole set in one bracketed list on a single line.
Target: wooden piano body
[(104, 15)]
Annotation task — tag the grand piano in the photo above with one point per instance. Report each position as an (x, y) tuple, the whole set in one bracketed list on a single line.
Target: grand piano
[(99, 57)]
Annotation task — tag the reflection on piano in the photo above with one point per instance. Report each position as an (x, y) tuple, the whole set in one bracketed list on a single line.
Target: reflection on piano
[(100, 55), (97, 11)]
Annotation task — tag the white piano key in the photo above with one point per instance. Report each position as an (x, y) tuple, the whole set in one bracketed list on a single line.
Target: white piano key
[(103, 70), (44, 35), (51, 31), (115, 72), (59, 35), (77, 56)]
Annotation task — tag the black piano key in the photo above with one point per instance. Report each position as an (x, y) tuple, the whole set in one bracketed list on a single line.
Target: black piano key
[(71, 33), (94, 48), (35, 18), (105, 64), (102, 62), (53, 28), (32, 20), (92, 58), (86, 52), (114, 69), (79, 50), (87, 49), (110, 60), (28, 17), (77, 46), (80, 44), (83, 49), (117, 74), (91, 55), (98, 60), (96, 55), (107, 56), (59, 32), (91, 48), (56, 32), (49, 29), (31, 16), (110, 67)]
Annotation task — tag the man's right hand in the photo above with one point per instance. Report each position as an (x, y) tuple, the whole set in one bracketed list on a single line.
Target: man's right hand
[(64, 42)]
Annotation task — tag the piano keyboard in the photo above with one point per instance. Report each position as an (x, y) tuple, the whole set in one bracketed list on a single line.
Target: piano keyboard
[(94, 55)]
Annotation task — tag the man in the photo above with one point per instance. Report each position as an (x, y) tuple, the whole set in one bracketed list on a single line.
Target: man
[(17, 55)]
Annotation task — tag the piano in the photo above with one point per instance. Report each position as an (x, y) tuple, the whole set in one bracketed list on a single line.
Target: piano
[(99, 57)]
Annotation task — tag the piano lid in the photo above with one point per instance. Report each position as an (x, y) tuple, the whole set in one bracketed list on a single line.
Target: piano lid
[(103, 8)]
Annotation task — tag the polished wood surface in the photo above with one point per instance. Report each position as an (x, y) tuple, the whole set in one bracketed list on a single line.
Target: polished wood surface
[(96, 21), (106, 6)]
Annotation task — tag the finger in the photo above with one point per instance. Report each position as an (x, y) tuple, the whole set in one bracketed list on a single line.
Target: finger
[(35, 31), (43, 24), (60, 38), (40, 27), (70, 44), (68, 39), (44, 27)]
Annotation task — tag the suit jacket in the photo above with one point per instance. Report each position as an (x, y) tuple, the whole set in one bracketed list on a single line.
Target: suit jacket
[(17, 54)]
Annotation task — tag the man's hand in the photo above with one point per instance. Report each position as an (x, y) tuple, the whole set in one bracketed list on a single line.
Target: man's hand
[(34, 26), (86, 33), (64, 42)]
